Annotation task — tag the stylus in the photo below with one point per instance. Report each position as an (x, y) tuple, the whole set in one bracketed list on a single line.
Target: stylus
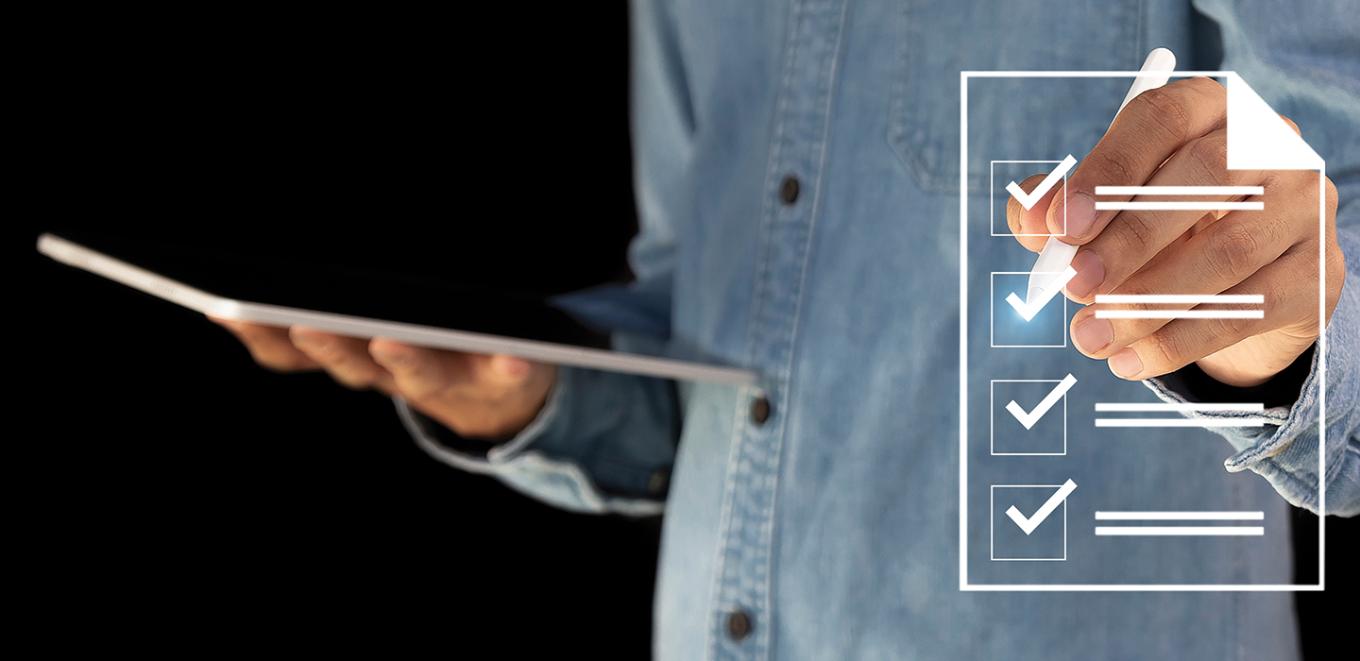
[(1057, 255)]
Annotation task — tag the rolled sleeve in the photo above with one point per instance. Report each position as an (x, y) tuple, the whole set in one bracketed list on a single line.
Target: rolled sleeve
[(1285, 449), (599, 444)]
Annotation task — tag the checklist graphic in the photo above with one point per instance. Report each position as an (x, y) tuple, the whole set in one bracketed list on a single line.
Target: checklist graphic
[(1180, 205), (1156, 510), (1038, 536), (1003, 170), (1039, 323), (1179, 519), (1037, 428), (1179, 311), (1232, 414)]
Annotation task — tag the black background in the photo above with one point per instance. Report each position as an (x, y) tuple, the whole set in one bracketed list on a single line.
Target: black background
[(172, 487)]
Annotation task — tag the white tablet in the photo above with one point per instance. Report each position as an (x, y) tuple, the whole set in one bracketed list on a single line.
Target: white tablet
[(367, 305)]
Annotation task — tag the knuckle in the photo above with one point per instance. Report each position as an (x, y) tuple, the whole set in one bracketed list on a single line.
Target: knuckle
[(1135, 232), (1230, 327), (1210, 155), (1166, 109), (1164, 350), (1232, 253), (1333, 196), (1137, 289), (1304, 188), (1114, 166), (1277, 292)]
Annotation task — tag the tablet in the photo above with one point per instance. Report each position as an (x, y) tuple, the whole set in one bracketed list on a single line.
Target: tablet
[(363, 304)]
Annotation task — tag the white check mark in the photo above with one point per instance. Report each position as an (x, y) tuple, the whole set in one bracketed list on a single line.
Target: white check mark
[(1028, 200), (1028, 524), (1029, 309), (1030, 418)]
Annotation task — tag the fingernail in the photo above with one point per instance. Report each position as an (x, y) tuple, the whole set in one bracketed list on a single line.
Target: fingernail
[(1081, 214), (1090, 270), (1092, 335), (1126, 364)]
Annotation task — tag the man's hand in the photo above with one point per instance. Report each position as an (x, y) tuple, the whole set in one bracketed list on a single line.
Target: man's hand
[(1176, 135), (477, 396)]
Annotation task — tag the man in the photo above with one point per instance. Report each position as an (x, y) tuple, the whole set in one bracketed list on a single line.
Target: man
[(794, 168)]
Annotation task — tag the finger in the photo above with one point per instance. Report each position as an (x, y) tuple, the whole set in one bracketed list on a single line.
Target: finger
[(421, 374), (1148, 131), (1184, 341), (1135, 236), (344, 358), (1292, 125), (268, 345), (1029, 225), (1226, 253)]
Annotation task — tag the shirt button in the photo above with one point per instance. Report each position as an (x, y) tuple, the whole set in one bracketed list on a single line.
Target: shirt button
[(738, 625), (788, 190), (760, 410)]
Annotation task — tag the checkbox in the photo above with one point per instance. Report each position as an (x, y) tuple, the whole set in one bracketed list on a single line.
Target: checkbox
[(1005, 172), (1047, 329), (1042, 508), (1029, 417)]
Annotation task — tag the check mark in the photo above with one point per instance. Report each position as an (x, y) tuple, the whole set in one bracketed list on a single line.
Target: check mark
[(1028, 200), (1028, 524), (1030, 418), (1030, 309)]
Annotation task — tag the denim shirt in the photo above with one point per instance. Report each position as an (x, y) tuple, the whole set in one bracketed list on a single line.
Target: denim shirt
[(832, 525)]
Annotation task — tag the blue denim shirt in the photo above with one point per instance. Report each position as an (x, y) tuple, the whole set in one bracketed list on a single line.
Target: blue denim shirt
[(834, 524)]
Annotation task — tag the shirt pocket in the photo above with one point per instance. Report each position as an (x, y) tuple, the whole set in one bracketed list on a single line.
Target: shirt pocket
[(1011, 118)]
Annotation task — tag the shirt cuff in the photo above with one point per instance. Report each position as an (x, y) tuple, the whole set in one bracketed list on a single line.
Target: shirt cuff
[(477, 455), (530, 462), (1285, 449)]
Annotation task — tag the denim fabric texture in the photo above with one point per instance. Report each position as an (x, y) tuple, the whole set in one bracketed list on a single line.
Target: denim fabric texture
[(833, 523)]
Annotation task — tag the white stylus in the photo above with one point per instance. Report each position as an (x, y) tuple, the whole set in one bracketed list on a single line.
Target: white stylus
[(1056, 255)]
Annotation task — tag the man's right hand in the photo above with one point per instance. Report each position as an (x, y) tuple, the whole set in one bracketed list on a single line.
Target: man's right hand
[(475, 395)]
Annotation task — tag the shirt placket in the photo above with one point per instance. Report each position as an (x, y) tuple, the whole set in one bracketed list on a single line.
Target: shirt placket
[(741, 622)]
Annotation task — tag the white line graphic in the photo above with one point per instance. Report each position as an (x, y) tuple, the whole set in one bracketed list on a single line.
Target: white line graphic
[(1180, 531), (1250, 155), (1031, 417), (1145, 407), (1180, 206), (1180, 314), (1180, 422), (1030, 308), (1027, 524), (1028, 200), (1180, 190), (1180, 516), (1193, 299)]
